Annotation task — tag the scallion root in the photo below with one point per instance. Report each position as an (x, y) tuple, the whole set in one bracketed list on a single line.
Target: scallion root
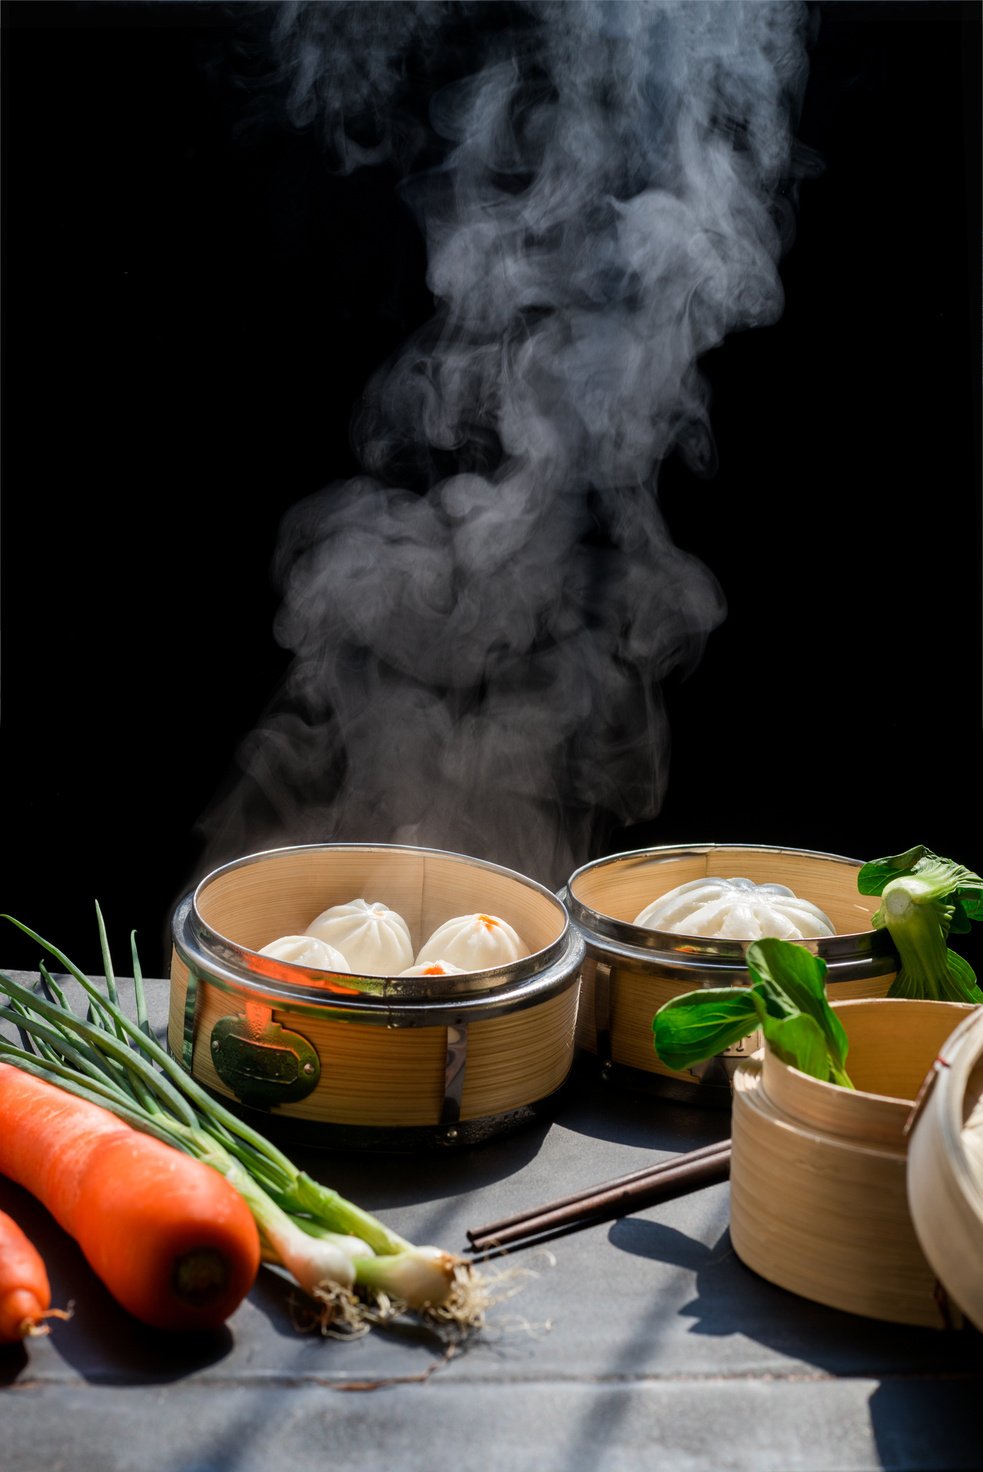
[(334, 1312)]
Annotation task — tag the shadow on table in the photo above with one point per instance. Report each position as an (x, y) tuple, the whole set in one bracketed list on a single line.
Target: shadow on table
[(438, 1178), (923, 1407), (626, 1115), (400, 1176), (731, 1299), (585, 1105)]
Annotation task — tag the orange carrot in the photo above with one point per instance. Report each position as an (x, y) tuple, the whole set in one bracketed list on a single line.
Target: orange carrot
[(25, 1295), (170, 1238)]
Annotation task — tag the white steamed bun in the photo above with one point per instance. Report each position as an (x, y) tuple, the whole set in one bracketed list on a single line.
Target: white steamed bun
[(373, 939), (473, 942), (735, 909), (306, 950), (432, 968)]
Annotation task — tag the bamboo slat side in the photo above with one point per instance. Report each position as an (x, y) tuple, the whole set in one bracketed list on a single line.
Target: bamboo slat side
[(973, 1126), (519, 1058), (393, 1077), (373, 1076)]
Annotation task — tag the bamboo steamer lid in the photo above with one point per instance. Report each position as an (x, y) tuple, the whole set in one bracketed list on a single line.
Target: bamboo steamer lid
[(945, 1167)]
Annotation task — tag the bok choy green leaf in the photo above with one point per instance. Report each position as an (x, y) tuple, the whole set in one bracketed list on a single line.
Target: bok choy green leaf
[(700, 1024), (786, 1000)]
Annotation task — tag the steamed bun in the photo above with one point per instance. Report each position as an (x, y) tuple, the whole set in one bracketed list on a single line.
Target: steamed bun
[(374, 940), (474, 943)]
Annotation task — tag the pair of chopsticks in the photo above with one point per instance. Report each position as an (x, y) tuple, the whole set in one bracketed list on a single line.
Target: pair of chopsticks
[(620, 1197)]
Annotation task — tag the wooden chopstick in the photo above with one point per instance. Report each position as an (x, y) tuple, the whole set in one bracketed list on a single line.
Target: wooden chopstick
[(615, 1198), (589, 1193)]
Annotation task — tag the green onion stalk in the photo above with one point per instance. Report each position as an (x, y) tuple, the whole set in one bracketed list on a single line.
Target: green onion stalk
[(355, 1270)]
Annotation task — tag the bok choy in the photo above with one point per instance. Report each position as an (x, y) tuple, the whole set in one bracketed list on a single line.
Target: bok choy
[(924, 899), (786, 1000)]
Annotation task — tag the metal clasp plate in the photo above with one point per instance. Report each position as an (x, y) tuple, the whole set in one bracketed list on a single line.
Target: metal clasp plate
[(263, 1064)]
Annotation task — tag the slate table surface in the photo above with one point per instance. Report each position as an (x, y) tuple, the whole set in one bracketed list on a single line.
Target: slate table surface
[(632, 1344)]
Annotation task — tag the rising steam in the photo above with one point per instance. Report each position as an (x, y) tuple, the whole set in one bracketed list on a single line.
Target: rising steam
[(482, 621)]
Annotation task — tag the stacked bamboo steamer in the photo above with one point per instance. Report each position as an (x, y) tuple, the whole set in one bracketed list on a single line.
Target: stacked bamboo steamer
[(822, 1176)]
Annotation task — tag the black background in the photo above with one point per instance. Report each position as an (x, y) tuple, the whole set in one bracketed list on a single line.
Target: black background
[(191, 306)]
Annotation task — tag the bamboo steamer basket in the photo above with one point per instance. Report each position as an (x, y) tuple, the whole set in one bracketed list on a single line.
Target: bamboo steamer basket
[(821, 1177), (385, 1062), (630, 972), (945, 1167)]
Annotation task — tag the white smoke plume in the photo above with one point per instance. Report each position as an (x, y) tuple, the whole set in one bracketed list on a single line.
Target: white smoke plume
[(482, 621)]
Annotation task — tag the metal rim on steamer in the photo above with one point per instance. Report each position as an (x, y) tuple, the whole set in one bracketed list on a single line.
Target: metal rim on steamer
[(417, 1001), (862, 949)]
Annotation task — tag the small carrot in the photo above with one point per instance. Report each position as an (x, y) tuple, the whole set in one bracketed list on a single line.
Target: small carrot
[(169, 1237), (25, 1294)]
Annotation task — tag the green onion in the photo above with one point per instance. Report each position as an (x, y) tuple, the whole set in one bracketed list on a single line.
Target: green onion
[(356, 1269)]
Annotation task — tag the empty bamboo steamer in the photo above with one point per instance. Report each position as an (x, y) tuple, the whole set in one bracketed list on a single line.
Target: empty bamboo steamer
[(389, 1062), (820, 1174), (630, 971)]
